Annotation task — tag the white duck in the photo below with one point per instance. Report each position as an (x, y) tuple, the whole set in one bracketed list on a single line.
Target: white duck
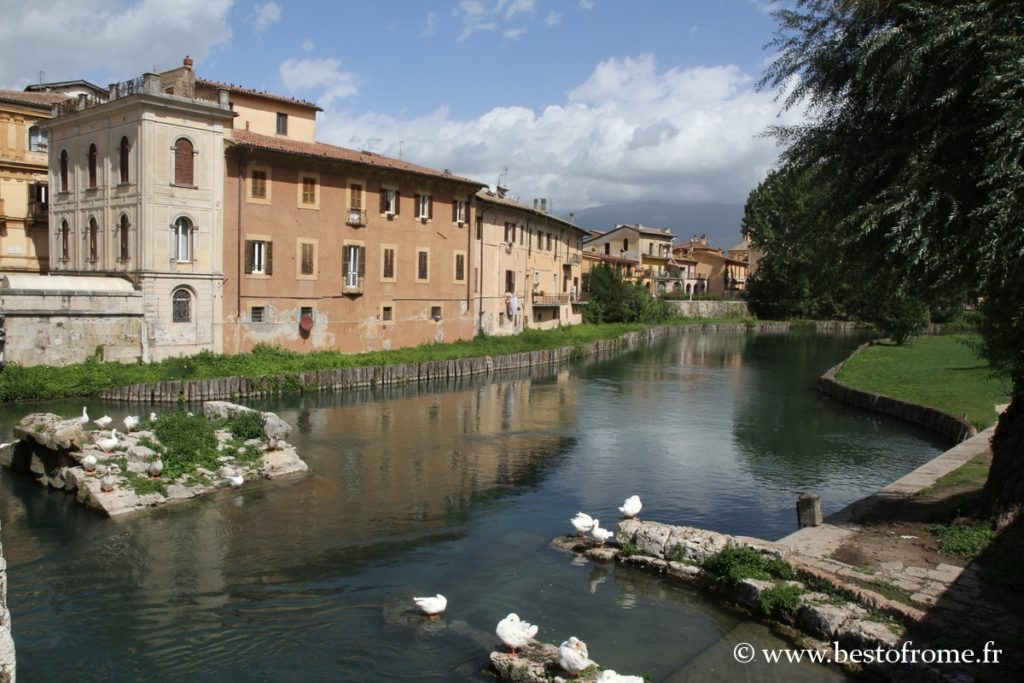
[(515, 633), (89, 463), (109, 480), (631, 507), (103, 422), (600, 535), (609, 676), (107, 443), (573, 656), (85, 416), (583, 523), (432, 606), (131, 422), (152, 417), (236, 480), (156, 467)]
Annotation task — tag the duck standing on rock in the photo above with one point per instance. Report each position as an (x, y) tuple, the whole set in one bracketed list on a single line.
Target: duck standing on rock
[(600, 535), (89, 463), (631, 507), (156, 467), (85, 416), (131, 422), (573, 656), (103, 422), (515, 634), (236, 480), (432, 606), (109, 481), (107, 443), (582, 522)]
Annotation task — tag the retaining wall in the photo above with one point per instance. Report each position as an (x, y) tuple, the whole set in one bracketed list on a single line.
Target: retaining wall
[(709, 309), (348, 378), (944, 424)]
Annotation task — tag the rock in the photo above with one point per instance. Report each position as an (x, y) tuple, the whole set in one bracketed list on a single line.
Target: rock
[(602, 553), (279, 463), (221, 410), (823, 621), (862, 634), (694, 544), (530, 665), (7, 453), (275, 428), (178, 492), (51, 431), (138, 467), (648, 562), (650, 538), (73, 478), (747, 591), (687, 572), (141, 453)]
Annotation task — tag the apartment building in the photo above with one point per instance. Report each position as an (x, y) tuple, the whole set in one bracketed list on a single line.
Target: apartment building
[(646, 253)]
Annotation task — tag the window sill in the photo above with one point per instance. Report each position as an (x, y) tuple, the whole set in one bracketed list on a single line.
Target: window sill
[(185, 187), (257, 276)]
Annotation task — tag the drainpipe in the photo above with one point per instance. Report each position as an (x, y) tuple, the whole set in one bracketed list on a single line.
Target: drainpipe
[(480, 280)]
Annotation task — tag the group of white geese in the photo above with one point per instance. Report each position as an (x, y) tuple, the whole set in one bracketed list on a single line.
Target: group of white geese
[(516, 634)]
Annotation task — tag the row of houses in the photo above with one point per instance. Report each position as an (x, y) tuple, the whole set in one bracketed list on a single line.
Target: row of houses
[(174, 214)]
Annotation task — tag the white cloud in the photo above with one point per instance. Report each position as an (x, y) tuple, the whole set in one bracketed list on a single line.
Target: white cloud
[(586, 4), (510, 8), (308, 45), (477, 15), (513, 33), (553, 18), (629, 132), (264, 16), (431, 24), (113, 40), (307, 76)]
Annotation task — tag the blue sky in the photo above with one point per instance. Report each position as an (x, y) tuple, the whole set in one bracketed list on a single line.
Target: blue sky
[(586, 102)]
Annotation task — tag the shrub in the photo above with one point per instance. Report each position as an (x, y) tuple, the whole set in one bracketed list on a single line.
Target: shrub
[(779, 600), (245, 424), (735, 563), (188, 441)]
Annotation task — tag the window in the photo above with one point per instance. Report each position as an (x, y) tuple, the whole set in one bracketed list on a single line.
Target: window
[(422, 264), (510, 233), (257, 184), (308, 190), (353, 265), (607, 248), (389, 201), (181, 306), (63, 170), (123, 150), (510, 281), (307, 258), (94, 239), (549, 241), (387, 313), (355, 196), (182, 238), (460, 267), (540, 240), (625, 244), (65, 241), (93, 161), (282, 124), (123, 238), (435, 313), (479, 226), (183, 161), (459, 211), (387, 269), (306, 312), (38, 139), (257, 314), (259, 257), (424, 206)]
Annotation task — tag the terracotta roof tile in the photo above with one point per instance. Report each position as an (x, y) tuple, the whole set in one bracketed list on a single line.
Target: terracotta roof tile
[(322, 150), (33, 99), (231, 87), (488, 196)]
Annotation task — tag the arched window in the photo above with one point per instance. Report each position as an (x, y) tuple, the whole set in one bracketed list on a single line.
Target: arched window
[(93, 161), (94, 239), (123, 237), (182, 236), (37, 139), (183, 162), (181, 306), (65, 241), (63, 170), (123, 154)]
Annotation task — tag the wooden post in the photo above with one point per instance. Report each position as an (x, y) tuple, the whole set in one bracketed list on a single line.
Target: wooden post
[(808, 510)]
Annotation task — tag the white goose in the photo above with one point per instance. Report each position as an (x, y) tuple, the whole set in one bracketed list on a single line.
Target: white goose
[(573, 656), (631, 507), (515, 633), (109, 481), (85, 416), (131, 422), (107, 443), (432, 606), (103, 422), (156, 467), (236, 480), (583, 523), (609, 676), (600, 535), (89, 463), (152, 417)]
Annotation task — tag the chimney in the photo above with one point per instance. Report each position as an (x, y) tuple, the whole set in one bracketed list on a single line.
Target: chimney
[(544, 204), (535, 200), (572, 218), (188, 62)]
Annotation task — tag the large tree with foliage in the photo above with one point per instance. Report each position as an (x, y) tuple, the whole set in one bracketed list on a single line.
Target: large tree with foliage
[(915, 140)]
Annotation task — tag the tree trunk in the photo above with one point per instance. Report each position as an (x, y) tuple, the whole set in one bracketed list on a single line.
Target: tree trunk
[(1004, 490)]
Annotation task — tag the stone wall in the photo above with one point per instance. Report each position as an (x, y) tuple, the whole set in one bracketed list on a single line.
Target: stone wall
[(949, 426), (62, 327), (6, 642), (709, 309)]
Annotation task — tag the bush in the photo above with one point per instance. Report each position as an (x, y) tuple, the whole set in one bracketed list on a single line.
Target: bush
[(188, 442), (901, 317), (244, 425), (735, 563), (780, 600)]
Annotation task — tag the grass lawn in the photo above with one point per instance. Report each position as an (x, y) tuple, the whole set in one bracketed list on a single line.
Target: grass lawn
[(943, 372)]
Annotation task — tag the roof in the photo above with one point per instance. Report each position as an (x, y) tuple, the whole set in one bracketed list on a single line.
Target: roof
[(664, 233), (742, 246), (608, 258), (231, 87), (321, 150), (65, 85), (69, 283), (488, 196), (43, 100)]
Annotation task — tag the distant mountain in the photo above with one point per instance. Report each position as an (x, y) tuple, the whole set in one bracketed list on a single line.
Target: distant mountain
[(720, 222)]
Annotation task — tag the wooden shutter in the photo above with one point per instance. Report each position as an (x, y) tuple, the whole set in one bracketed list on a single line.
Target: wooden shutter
[(270, 258), (430, 206), (383, 199), (250, 253), (416, 206), (344, 262), (183, 162), (398, 202), (455, 210), (362, 262)]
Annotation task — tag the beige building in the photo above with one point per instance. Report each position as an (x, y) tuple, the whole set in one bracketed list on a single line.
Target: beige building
[(650, 252), (530, 266), (137, 192), (719, 273)]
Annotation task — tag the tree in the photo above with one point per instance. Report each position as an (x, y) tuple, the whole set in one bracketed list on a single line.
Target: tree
[(915, 141), (614, 300)]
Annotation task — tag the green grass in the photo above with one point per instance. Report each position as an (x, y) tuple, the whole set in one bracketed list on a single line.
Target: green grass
[(964, 540), (971, 475), (19, 383), (735, 563), (943, 372)]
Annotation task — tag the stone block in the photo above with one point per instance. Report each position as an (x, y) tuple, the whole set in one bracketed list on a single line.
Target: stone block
[(823, 621), (862, 634), (747, 591)]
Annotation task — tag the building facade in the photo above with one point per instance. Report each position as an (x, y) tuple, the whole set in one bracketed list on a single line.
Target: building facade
[(649, 250)]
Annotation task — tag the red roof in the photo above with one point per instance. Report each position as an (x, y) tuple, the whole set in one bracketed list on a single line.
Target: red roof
[(32, 99), (231, 87), (321, 150)]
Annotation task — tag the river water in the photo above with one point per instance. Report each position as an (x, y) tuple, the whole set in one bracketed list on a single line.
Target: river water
[(456, 489)]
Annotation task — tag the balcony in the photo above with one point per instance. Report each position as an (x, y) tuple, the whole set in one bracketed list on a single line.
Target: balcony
[(353, 284), (574, 259), (579, 298), (38, 211), (541, 299), (356, 218)]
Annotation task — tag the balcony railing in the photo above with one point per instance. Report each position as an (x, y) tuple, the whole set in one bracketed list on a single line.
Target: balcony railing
[(356, 218), (550, 299), (37, 210), (580, 297), (353, 284)]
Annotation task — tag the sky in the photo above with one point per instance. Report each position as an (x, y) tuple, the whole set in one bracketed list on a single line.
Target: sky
[(585, 102)]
